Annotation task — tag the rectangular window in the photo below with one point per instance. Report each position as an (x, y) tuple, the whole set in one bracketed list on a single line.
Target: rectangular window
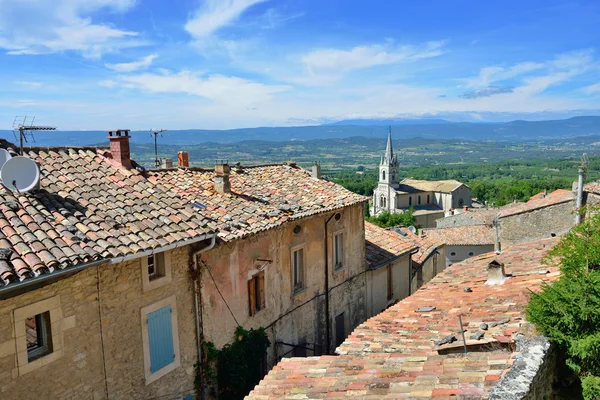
[(156, 266), (338, 250), (160, 339), (38, 336), (298, 269), (256, 293), (390, 283), (340, 329)]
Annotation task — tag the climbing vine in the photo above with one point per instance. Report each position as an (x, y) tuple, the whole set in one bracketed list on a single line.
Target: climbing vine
[(235, 369)]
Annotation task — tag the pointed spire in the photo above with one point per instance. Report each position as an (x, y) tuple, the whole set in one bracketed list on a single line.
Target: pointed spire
[(389, 152)]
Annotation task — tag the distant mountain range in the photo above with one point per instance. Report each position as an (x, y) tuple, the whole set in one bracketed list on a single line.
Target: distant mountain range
[(514, 131)]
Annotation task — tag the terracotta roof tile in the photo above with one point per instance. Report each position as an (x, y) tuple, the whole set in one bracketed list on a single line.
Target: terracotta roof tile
[(261, 197), (85, 211), (446, 186), (383, 245), (557, 197), (462, 235), (395, 354)]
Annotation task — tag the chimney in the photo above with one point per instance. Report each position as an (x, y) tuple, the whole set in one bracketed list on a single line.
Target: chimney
[(182, 159), (119, 146), (496, 275), (316, 171), (222, 178), (579, 203), (166, 163)]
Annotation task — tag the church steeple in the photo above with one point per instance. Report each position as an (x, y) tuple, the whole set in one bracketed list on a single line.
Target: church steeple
[(388, 169), (388, 157)]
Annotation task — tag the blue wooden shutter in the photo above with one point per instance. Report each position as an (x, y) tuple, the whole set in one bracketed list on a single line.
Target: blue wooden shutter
[(160, 338)]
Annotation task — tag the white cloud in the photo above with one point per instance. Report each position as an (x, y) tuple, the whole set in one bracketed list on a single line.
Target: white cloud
[(142, 63), (595, 88), (41, 27), (489, 75), (327, 65), (218, 88), (30, 84), (215, 14)]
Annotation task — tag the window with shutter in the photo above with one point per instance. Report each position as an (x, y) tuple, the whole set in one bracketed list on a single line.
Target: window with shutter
[(298, 269), (256, 293), (160, 339), (338, 251)]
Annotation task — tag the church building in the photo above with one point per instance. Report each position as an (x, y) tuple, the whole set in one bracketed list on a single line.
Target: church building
[(429, 199)]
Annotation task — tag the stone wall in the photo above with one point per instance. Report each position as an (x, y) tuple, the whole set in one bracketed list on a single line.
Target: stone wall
[(537, 224), (290, 318), (79, 371), (461, 219)]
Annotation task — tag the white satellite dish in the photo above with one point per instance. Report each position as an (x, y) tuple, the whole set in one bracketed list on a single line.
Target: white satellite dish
[(4, 156), (412, 229), (21, 174)]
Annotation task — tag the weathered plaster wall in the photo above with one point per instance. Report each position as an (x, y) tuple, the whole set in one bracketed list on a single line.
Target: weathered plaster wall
[(377, 285), (79, 373), (428, 220), (402, 200), (537, 224), (456, 254), (289, 317)]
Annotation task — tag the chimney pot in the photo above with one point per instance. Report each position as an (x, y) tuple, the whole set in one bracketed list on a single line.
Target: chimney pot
[(496, 275), (316, 171), (182, 159), (221, 180), (119, 146), (166, 163)]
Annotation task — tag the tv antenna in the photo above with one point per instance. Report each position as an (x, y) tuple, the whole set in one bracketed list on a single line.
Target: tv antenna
[(155, 134), (26, 129)]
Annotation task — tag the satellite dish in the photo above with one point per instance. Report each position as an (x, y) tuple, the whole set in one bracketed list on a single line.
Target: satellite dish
[(4, 156), (412, 229), (21, 174)]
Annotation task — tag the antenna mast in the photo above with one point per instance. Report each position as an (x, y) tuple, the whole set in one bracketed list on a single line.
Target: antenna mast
[(155, 134), (26, 130)]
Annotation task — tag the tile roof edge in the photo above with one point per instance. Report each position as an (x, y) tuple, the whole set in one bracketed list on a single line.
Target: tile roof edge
[(233, 166), (409, 252), (47, 148), (510, 213)]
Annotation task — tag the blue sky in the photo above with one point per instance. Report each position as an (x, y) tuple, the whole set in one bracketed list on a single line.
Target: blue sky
[(98, 64)]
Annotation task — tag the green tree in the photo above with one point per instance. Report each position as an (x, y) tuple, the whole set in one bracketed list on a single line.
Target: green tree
[(568, 311), (388, 220)]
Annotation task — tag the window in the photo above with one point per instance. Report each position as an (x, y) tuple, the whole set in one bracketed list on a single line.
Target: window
[(38, 335), (390, 283), (338, 251), (383, 175), (427, 199), (435, 264), (410, 201), (471, 254), (256, 293), (298, 269), (461, 202), (156, 270), (453, 254), (340, 329), (160, 338), (419, 199)]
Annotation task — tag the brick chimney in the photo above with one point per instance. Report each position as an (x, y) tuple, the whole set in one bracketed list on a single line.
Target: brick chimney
[(119, 146), (222, 178), (496, 275), (182, 159), (316, 171)]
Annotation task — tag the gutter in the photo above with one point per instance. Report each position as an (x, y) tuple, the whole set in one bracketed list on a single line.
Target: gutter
[(171, 246), (410, 252), (27, 285), (198, 309)]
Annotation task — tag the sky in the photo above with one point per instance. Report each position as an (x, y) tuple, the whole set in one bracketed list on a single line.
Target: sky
[(221, 64)]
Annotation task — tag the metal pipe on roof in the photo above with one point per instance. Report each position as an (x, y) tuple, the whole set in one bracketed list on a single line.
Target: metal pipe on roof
[(581, 173), (15, 289)]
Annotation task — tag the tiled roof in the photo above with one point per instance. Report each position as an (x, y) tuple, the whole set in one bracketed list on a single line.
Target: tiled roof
[(446, 186), (397, 354), (557, 197), (261, 197), (87, 208), (462, 235), (593, 187), (383, 245), (426, 246)]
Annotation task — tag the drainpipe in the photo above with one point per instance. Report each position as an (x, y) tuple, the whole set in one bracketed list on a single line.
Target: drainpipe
[(497, 245), (581, 172), (327, 324), (198, 308)]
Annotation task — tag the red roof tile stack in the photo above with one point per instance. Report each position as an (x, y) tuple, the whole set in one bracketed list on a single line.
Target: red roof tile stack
[(400, 353)]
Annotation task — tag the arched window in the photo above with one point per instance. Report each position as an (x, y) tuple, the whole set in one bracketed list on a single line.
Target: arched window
[(410, 201), (419, 199), (382, 201), (461, 202), (383, 175), (427, 199)]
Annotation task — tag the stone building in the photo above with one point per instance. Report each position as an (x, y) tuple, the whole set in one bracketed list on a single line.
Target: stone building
[(464, 241), (95, 295), (414, 349), (429, 199), (289, 257)]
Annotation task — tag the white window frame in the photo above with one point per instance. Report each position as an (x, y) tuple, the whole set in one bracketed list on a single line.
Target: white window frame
[(149, 282), (57, 325), (169, 301), (338, 266), (295, 289)]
